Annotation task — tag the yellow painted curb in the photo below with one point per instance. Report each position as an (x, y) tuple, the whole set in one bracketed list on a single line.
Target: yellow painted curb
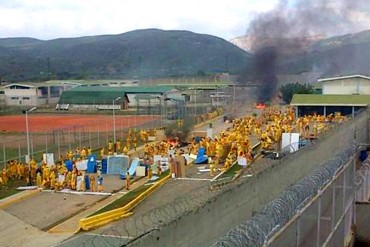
[(129, 206), (18, 198), (102, 219), (109, 216)]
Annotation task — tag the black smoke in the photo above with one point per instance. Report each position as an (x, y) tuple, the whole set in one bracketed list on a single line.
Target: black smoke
[(291, 28)]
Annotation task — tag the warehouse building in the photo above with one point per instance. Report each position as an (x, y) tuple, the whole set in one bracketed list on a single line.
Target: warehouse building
[(107, 98), (35, 94)]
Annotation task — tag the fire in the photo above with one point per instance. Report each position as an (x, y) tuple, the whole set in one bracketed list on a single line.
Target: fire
[(260, 106), (174, 142)]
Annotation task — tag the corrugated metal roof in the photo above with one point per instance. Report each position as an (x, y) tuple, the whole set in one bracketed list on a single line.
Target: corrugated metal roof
[(139, 89), (19, 85), (344, 77), (329, 100), (105, 95), (90, 97), (206, 85)]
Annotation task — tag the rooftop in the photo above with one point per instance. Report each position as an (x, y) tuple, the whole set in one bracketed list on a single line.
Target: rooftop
[(343, 77), (329, 100)]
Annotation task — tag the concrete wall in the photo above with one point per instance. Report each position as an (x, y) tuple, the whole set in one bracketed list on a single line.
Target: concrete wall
[(347, 86), (207, 224), (363, 222), (19, 97)]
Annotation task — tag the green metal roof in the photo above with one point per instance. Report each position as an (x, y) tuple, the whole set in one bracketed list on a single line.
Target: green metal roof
[(329, 100), (105, 95), (139, 89), (204, 86), (91, 97)]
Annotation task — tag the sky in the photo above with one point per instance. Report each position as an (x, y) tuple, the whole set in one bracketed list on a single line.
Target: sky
[(51, 19)]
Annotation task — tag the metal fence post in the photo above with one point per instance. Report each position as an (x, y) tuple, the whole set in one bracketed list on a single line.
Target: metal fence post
[(58, 144), (19, 153), (367, 184), (318, 222), (32, 146), (90, 138), (106, 129), (298, 230), (69, 139), (79, 136), (121, 130), (98, 135), (333, 207), (4, 154), (46, 142)]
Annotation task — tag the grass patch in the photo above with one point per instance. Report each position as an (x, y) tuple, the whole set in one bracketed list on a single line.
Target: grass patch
[(125, 199), (232, 171), (11, 189)]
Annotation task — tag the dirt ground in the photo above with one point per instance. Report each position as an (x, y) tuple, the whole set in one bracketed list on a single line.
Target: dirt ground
[(47, 123)]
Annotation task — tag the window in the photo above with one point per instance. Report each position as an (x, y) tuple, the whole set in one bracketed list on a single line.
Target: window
[(14, 98), (27, 98)]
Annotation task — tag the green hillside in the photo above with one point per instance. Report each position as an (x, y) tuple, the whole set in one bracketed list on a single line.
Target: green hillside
[(145, 53)]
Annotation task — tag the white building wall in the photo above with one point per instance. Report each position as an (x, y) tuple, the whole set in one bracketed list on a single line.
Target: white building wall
[(347, 86), (21, 97)]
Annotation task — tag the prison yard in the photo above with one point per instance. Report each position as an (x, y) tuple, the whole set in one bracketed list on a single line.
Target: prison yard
[(94, 173), (107, 165)]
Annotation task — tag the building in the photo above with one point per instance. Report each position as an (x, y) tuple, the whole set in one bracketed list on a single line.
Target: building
[(347, 85), (99, 97), (326, 104), (48, 93), (35, 94), (346, 94)]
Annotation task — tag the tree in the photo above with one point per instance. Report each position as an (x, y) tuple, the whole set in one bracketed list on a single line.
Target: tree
[(290, 89)]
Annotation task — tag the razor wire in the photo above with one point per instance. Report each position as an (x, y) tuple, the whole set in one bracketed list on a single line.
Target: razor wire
[(254, 232), (273, 216)]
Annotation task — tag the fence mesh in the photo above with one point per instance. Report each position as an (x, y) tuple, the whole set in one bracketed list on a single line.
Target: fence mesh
[(273, 216)]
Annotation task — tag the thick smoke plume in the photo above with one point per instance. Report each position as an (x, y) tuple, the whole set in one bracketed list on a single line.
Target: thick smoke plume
[(290, 29)]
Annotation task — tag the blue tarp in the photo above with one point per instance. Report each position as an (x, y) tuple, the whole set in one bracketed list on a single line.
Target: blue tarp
[(104, 166), (201, 156), (132, 170), (91, 163)]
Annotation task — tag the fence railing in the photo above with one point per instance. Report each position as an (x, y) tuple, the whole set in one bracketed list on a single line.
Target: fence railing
[(59, 141)]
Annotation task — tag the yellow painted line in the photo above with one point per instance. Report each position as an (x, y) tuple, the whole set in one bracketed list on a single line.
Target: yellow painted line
[(61, 231)]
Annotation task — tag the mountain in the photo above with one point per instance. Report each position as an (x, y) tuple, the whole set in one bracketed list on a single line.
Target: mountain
[(136, 54), (242, 42)]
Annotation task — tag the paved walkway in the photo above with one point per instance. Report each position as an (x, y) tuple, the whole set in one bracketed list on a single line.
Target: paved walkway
[(72, 224)]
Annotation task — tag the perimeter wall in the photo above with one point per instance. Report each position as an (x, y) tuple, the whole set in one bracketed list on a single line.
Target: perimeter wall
[(240, 200)]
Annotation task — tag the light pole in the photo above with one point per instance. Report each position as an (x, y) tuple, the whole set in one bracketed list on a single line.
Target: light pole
[(28, 146), (114, 122)]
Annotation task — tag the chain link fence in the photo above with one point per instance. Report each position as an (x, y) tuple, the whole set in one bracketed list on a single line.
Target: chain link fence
[(59, 141)]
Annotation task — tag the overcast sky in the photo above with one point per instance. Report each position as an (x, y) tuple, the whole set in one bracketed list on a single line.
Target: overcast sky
[(50, 19)]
